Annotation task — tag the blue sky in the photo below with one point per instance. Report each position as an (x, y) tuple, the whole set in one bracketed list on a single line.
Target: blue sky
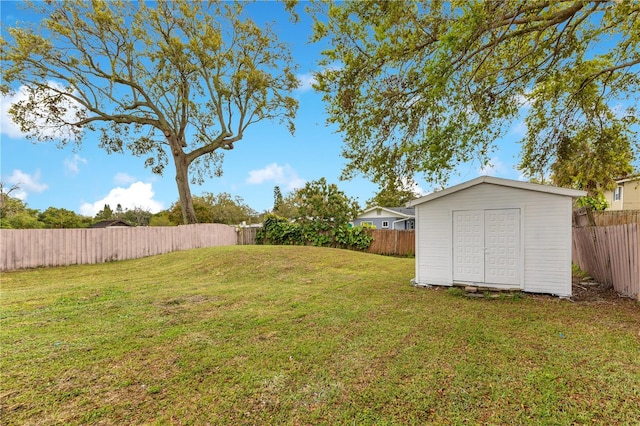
[(85, 179)]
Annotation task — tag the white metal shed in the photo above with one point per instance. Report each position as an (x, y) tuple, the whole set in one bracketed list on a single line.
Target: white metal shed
[(499, 233)]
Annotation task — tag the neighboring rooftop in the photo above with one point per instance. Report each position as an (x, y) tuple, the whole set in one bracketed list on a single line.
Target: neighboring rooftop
[(110, 224)]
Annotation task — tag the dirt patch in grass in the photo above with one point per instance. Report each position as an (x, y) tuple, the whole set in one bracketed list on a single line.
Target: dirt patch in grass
[(592, 292)]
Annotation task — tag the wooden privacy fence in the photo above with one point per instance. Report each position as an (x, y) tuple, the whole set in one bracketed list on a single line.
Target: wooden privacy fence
[(385, 241), (29, 248), (393, 242), (247, 235), (611, 255)]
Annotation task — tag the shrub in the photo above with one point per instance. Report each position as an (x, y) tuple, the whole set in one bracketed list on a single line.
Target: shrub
[(277, 230)]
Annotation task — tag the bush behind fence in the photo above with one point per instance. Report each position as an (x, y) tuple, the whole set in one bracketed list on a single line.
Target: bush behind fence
[(30, 248)]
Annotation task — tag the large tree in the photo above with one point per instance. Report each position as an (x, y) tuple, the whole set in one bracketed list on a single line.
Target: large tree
[(422, 86), (324, 206), (178, 79)]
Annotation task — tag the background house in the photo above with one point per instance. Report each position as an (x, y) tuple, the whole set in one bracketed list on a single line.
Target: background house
[(626, 195), (110, 224), (498, 233), (387, 218)]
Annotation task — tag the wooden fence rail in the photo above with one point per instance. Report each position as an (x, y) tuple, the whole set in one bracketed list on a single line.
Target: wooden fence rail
[(616, 217), (611, 255), (29, 248), (586, 217)]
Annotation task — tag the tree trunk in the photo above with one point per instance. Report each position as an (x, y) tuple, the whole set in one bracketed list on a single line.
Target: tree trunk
[(184, 191)]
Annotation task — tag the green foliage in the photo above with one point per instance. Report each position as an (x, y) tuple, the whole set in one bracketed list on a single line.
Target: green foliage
[(355, 237), (322, 215), (288, 206), (22, 220), (212, 208), (394, 193), (323, 206), (591, 160), (167, 81), (105, 214), (14, 214), (280, 231), (62, 218), (277, 199), (136, 216), (161, 219), (595, 202), (455, 291), (423, 86), (577, 272)]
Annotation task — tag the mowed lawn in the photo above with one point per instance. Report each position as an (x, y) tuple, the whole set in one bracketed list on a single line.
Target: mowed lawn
[(303, 335)]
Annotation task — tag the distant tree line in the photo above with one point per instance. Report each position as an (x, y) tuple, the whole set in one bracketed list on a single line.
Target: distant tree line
[(210, 208), (319, 206)]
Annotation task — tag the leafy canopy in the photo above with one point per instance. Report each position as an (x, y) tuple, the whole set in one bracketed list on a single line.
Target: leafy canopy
[(324, 205), (216, 208), (175, 80), (394, 193), (422, 86)]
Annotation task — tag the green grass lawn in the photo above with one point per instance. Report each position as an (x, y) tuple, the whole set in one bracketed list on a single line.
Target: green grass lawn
[(302, 335)]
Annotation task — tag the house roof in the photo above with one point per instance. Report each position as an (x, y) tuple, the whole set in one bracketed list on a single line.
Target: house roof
[(109, 224), (529, 186), (628, 179), (403, 212)]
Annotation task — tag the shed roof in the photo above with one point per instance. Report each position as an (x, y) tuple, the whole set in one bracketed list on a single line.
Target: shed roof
[(529, 186)]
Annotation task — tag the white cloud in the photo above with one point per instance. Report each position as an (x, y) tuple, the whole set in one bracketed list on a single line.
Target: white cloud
[(123, 178), (493, 168), (7, 126), (519, 129), (11, 129), (26, 183), (525, 100), (413, 186), (280, 175), (307, 81), (138, 194), (72, 165)]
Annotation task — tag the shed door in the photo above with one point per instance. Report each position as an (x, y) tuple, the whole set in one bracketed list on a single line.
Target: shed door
[(486, 246), (468, 246)]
